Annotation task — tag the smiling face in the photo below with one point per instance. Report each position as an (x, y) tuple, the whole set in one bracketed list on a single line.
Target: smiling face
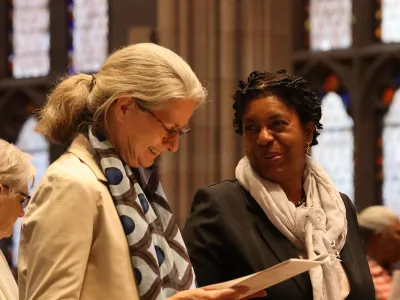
[(274, 138), (140, 136)]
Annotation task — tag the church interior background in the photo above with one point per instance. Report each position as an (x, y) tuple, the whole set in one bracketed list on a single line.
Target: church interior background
[(348, 50)]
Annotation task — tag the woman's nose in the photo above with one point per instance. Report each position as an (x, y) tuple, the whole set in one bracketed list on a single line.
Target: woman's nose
[(264, 137), (21, 212), (173, 143)]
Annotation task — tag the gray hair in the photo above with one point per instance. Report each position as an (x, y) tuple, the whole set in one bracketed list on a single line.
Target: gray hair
[(16, 169), (147, 72), (377, 218)]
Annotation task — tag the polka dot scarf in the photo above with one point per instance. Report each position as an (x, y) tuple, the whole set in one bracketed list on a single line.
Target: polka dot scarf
[(159, 257)]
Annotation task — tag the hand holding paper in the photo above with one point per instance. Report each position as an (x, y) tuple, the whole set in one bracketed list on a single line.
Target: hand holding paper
[(259, 281), (221, 294)]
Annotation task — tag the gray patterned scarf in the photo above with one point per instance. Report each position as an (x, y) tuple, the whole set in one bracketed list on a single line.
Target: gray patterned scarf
[(160, 261), (319, 227)]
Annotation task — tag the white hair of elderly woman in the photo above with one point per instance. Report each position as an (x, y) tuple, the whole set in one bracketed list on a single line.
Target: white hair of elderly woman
[(377, 218), (16, 168)]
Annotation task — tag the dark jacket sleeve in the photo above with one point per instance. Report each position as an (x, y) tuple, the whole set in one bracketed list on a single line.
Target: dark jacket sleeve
[(353, 254), (203, 235)]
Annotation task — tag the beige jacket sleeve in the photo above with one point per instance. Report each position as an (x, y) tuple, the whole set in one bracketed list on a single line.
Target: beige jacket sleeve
[(56, 238), (8, 287)]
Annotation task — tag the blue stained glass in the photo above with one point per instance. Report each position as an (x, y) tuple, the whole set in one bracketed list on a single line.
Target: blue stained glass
[(89, 35), (345, 98), (30, 38)]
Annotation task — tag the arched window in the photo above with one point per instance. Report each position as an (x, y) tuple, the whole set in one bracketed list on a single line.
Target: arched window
[(30, 36), (335, 149), (391, 155), (89, 34), (37, 146), (329, 24), (389, 15)]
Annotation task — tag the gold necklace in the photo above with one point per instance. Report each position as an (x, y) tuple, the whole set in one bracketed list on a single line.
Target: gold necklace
[(301, 202)]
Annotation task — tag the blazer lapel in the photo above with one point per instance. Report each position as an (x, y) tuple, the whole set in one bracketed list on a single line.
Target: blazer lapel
[(277, 242)]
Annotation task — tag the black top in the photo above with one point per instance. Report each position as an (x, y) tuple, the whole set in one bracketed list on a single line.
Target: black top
[(228, 236)]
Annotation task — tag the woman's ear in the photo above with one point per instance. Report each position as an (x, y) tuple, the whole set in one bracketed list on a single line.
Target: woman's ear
[(309, 131), (121, 107), (2, 189)]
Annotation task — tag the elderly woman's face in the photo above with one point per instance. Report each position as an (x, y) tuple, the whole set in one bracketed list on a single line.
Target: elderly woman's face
[(386, 245), (275, 139), (10, 210), (141, 136)]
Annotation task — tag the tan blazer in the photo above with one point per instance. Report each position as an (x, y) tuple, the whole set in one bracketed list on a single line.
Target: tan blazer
[(72, 242), (8, 286)]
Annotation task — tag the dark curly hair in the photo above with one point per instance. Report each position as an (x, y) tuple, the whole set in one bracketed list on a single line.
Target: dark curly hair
[(292, 89)]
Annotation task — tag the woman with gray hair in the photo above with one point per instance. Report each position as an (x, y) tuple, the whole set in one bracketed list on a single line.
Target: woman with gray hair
[(380, 231), (16, 173), (99, 225)]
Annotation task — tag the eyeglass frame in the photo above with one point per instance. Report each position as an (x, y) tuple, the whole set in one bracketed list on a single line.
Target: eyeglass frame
[(25, 201), (171, 131)]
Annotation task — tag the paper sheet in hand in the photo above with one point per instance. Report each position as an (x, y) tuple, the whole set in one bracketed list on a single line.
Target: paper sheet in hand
[(269, 277)]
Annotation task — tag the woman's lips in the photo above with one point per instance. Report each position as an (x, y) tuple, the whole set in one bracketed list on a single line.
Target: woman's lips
[(271, 154), (273, 157)]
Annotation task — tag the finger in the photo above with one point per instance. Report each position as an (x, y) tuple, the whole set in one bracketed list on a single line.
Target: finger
[(223, 294), (241, 289), (259, 294)]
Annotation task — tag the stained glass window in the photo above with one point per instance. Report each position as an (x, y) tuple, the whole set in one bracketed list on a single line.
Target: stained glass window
[(329, 24), (30, 37), (391, 155), (88, 26), (335, 149), (37, 146), (388, 13)]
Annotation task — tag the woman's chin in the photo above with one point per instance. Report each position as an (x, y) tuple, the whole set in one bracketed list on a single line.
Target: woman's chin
[(148, 165), (145, 162), (5, 233)]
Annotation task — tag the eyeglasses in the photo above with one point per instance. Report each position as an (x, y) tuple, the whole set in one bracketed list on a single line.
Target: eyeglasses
[(171, 130), (25, 200)]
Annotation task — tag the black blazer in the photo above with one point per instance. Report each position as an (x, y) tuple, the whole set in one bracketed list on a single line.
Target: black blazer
[(228, 236)]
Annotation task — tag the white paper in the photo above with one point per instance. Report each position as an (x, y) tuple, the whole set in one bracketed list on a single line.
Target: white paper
[(269, 277)]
